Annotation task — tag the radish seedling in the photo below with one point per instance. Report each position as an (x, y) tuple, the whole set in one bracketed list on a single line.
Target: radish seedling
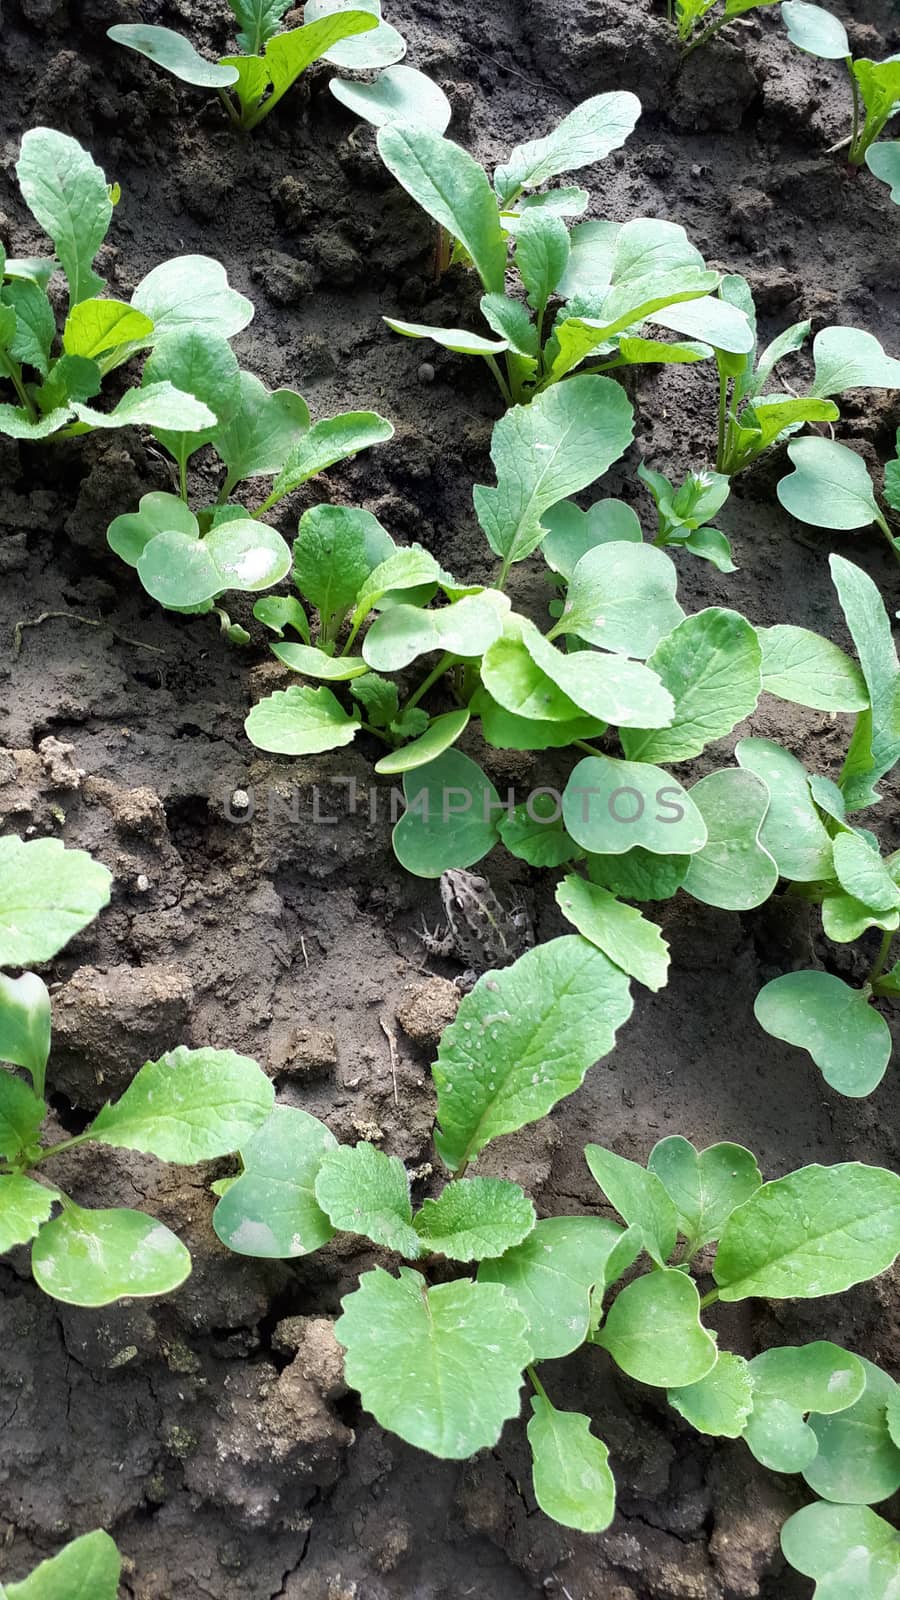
[(590, 287), (189, 1106), (187, 561), (874, 85), (538, 1290), (88, 1568), (347, 33), (52, 381)]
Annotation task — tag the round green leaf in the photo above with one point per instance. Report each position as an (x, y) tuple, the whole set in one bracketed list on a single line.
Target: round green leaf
[(620, 931), (847, 1038), (130, 534), (441, 1367), (849, 358), (711, 666), (47, 895), (376, 48), (639, 874), (361, 1190), (621, 596), (248, 555), (300, 721), (573, 1483), (653, 1331), (178, 570), (788, 1382), (611, 806), (817, 1231), (705, 1186), (87, 1569), (451, 816), (792, 831), (721, 1402), (571, 533), (192, 292), (474, 1218), (847, 1549), (802, 667), (506, 731), (271, 1210), (815, 30), (829, 487), (857, 1462), (259, 437), (733, 870), (399, 94), (534, 832), (91, 1258), (190, 1105), (402, 634), (883, 160), (24, 1205), (441, 733), (172, 51), (550, 1275), (523, 1039)]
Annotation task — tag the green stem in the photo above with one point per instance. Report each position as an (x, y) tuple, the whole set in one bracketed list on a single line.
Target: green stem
[(895, 548), (854, 155), (589, 749), (229, 107), (709, 1299), (15, 376), (504, 386), (378, 733), (536, 1385), (446, 662), (182, 479), (59, 1149), (707, 33), (881, 959), (722, 453)]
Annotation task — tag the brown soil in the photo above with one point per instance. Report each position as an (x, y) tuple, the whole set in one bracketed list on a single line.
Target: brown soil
[(209, 1432)]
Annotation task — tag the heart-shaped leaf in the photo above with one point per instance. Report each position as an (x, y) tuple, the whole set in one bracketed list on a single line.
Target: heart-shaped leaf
[(788, 1382), (192, 292), (843, 1548), (734, 870), (271, 1210), (847, 1038), (399, 94), (829, 487), (450, 819), (611, 806), (653, 1331), (857, 1461), (551, 1275), (91, 1258), (704, 1186), (622, 597)]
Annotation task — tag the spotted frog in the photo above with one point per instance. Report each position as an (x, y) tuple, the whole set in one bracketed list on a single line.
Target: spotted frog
[(481, 931)]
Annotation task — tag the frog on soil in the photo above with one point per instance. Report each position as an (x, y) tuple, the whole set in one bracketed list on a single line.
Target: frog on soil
[(481, 931)]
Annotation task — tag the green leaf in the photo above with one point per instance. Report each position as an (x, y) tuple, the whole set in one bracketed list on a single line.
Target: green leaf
[(620, 931), (237, 553), (21, 1110), (638, 874), (91, 1258), (571, 533), (572, 1480), (327, 442), (157, 513), (262, 431), (545, 451), (259, 19), (300, 721), (535, 681), (35, 324), (704, 1186), (190, 1105), (514, 324), (407, 569), (829, 487), (847, 1549), (848, 358), (792, 831), (857, 1461), (271, 1210), (622, 597), (474, 1218), (734, 869), (24, 1031), (607, 253), (47, 895), (450, 818), (863, 874), (588, 134), (806, 669), (24, 1205), (653, 1331), (815, 30), (441, 733), (201, 364), (192, 292), (282, 611), (316, 664), (635, 352), (16, 423), (399, 94), (788, 1382), (711, 665), (173, 52), (459, 340), (361, 1190), (95, 326), (70, 379), (541, 255), (847, 1038), (402, 634), (875, 747), (376, 49), (157, 406), (817, 1231), (610, 806), (639, 1197), (505, 731), (721, 1402), (522, 1040), (338, 547), (447, 183), (253, 81), (711, 320), (87, 1569), (884, 161), (892, 1414), (534, 832), (465, 1342), (66, 193), (550, 1275), (289, 54)]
